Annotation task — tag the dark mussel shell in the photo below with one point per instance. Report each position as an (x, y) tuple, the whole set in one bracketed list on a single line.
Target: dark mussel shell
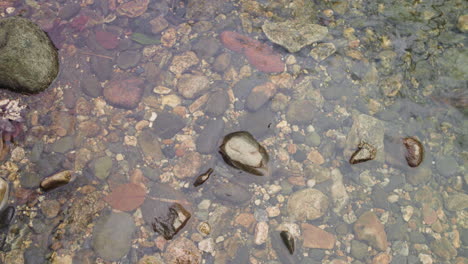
[(203, 177), (288, 241), (364, 153), (414, 151)]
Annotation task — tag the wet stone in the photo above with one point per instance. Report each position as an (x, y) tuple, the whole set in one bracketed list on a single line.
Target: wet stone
[(222, 62), (446, 165), (209, 137), (158, 24), (169, 225), (300, 112), (232, 193), (315, 237), (206, 47), (50, 208), (108, 243), (124, 93), (102, 167), (307, 204), (102, 68), (260, 123), (63, 145), (182, 250), (128, 59), (168, 125), (56, 180), (369, 228), (443, 248), (69, 11), (457, 202), (322, 51), (150, 146), (217, 103), (260, 95), (28, 59), (240, 150), (91, 86), (191, 86), (34, 255), (358, 249), (285, 33)]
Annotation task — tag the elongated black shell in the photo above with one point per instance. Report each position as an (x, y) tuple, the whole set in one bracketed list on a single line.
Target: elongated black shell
[(288, 241), (203, 177)]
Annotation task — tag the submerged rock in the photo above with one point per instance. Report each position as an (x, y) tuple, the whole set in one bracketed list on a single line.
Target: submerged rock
[(112, 235), (307, 204), (369, 228), (294, 35), (56, 180), (182, 250), (242, 151), (28, 59), (260, 55)]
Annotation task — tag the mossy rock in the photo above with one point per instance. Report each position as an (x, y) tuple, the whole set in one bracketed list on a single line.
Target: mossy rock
[(28, 59)]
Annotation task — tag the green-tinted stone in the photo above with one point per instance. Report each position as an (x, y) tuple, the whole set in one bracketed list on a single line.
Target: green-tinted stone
[(102, 167), (63, 145)]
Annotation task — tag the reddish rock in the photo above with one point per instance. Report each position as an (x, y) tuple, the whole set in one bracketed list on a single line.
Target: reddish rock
[(124, 93), (182, 250), (246, 220), (260, 55), (263, 58), (369, 228), (236, 42), (315, 237), (382, 258), (106, 39)]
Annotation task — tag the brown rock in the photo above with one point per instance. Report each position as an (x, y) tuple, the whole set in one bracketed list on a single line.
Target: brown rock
[(369, 228), (188, 165), (246, 220), (133, 8), (382, 258), (191, 86), (182, 250), (260, 95), (89, 128), (315, 237), (124, 93), (307, 204), (158, 24), (181, 63), (261, 233), (50, 208), (56, 180)]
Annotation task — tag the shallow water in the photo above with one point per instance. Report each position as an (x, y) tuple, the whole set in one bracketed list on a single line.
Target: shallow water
[(148, 89)]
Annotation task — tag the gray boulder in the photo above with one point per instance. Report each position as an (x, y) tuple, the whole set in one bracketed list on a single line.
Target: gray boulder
[(28, 59), (294, 35)]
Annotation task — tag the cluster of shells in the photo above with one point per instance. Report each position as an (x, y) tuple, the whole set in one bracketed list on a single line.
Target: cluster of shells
[(414, 152)]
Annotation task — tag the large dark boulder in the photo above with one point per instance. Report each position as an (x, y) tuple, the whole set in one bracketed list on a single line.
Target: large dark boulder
[(28, 59)]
